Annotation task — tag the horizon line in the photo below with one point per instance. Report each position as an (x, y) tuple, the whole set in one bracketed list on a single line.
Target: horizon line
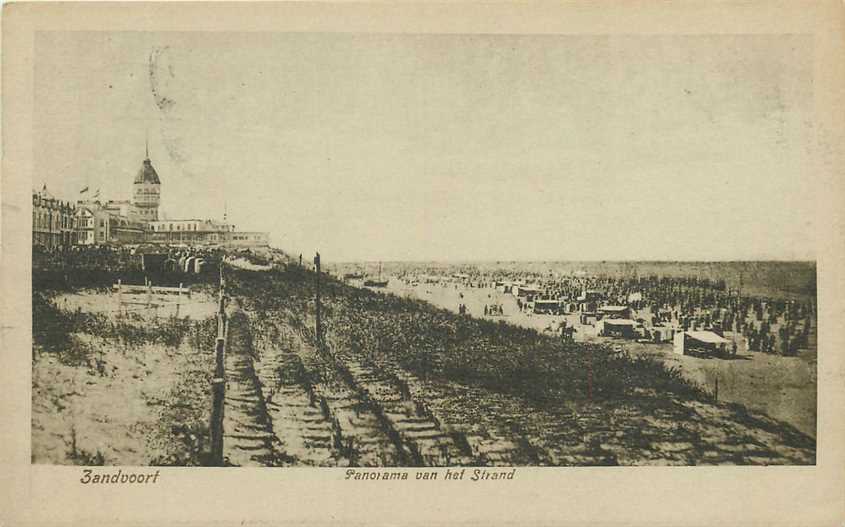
[(593, 261)]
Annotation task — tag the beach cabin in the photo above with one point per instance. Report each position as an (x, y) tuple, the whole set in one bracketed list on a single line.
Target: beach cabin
[(618, 327), (526, 291), (615, 311), (548, 307), (587, 318), (590, 295), (189, 264), (699, 342), (661, 334), (504, 287)]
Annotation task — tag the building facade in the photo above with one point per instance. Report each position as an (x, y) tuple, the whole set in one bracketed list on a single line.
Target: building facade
[(203, 232), (248, 239), (97, 224), (146, 191), (188, 232), (124, 208), (120, 222), (86, 225), (53, 221)]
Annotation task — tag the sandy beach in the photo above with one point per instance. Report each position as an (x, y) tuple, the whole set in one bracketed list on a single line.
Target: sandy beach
[(782, 387)]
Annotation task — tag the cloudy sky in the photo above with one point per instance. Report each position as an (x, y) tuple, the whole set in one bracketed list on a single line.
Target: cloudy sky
[(434, 147)]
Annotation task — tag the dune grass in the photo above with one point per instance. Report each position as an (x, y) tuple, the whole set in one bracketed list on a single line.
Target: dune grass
[(437, 344)]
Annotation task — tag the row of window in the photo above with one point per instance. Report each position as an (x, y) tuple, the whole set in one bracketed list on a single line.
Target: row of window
[(49, 220), (179, 227), (173, 235)]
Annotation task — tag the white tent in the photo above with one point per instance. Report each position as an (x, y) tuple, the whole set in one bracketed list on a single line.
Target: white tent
[(706, 341)]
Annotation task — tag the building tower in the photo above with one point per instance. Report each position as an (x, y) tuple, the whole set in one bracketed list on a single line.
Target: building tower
[(146, 190)]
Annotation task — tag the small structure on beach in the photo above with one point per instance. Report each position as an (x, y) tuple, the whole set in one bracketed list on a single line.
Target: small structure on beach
[(705, 342), (661, 333), (587, 318), (526, 291), (617, 327), (152, 258), (548, 307), (590, 295), (615, 311)]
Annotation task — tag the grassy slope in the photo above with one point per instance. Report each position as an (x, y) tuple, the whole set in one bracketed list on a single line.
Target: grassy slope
[(538, 382), (631, 405), (433, 342), (118, 390)]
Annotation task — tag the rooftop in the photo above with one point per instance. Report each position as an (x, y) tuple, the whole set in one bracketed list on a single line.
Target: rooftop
[(619, 322), (147, 174), (707, 336)]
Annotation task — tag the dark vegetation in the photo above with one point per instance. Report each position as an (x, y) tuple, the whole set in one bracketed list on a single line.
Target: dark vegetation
[(439, 345), (379, 330), (55, 327), (101, 267), (181, 430)]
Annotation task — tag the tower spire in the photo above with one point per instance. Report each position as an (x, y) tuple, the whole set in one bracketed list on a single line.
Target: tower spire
[(147, 145)]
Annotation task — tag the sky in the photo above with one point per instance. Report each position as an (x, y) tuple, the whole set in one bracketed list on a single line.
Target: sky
[(446, 147)]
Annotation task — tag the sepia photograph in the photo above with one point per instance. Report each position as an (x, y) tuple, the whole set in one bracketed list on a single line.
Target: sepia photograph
[(358, 250), (422, 263)]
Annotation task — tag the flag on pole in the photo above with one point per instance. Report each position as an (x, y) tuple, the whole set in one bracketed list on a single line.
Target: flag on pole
[(83, 191)]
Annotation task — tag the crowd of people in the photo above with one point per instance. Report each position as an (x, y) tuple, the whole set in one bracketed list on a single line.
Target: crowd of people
[(493, 310), (781, 324)]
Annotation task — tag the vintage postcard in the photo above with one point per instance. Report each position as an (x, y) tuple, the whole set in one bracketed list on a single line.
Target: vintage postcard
[(423, 263)]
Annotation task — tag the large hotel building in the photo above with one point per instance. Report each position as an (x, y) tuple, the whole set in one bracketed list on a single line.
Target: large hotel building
[(58, 224)]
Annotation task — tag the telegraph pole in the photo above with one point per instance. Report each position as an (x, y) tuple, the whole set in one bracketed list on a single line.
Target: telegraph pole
[(318, 329)]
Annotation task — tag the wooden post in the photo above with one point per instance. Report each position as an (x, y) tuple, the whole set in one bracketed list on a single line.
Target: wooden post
[(716, 391), (318, 326), (149, 293), (119, 294), (218, 384), (218, 394)]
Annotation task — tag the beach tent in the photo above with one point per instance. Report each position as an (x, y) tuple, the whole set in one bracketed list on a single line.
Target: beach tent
[(615, 311), (618, 327), (699, 341), (662, 333), (554, 307)]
